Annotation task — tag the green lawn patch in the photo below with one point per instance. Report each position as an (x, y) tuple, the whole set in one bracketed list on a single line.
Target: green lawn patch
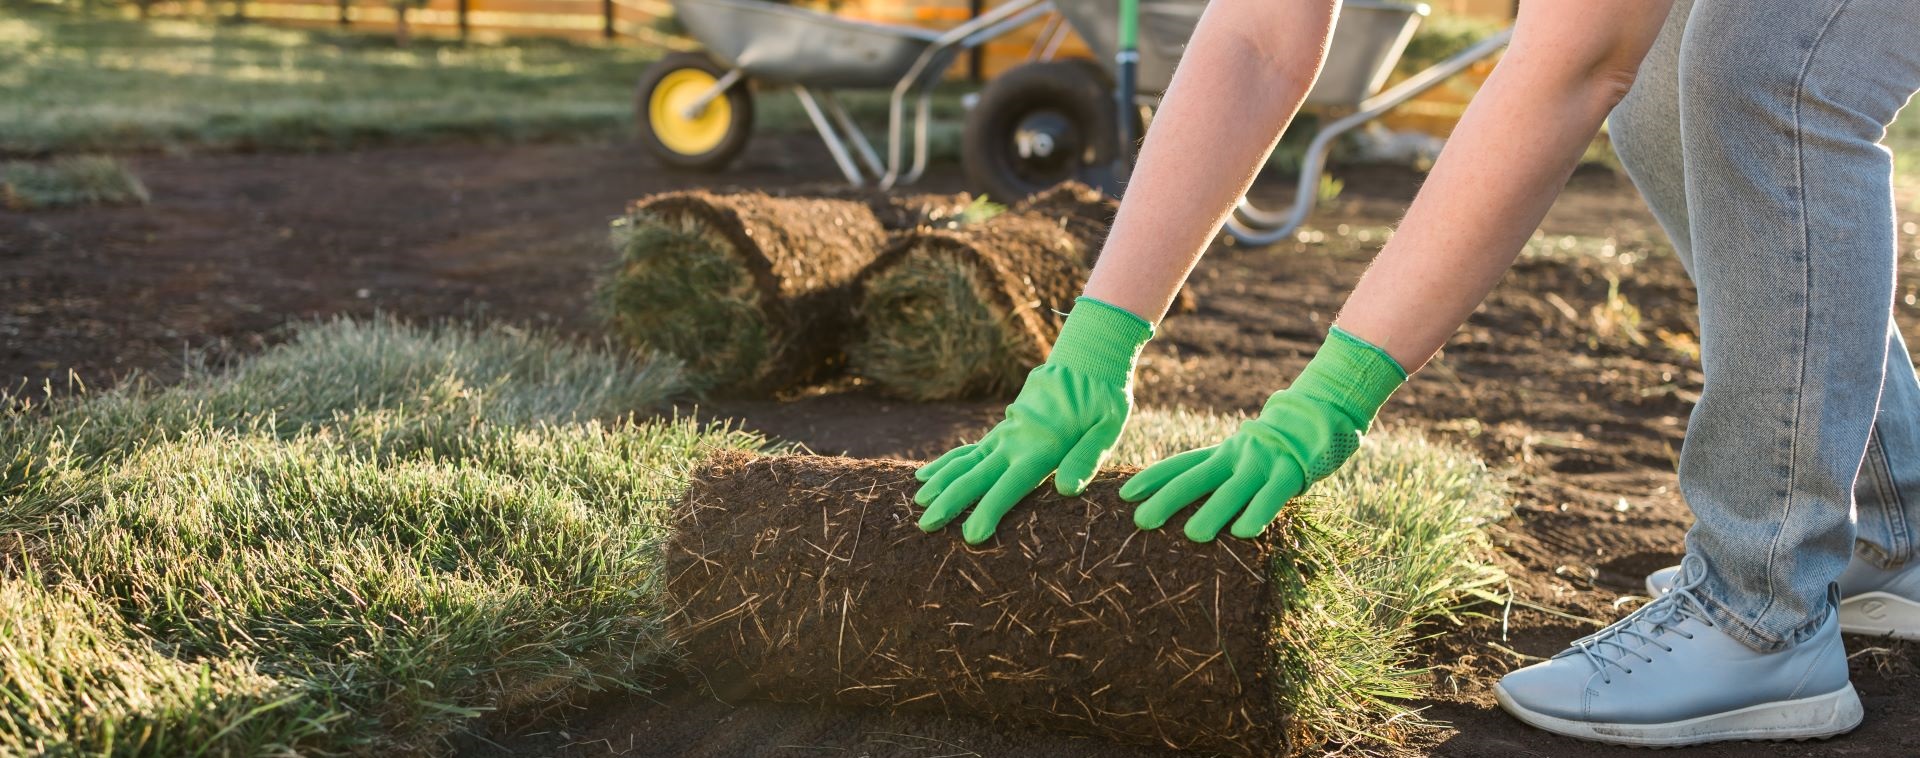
[(72, 81), (358, 542)]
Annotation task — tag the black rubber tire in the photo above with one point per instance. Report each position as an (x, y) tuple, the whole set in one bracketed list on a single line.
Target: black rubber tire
[(1075, 91), (739, 97)]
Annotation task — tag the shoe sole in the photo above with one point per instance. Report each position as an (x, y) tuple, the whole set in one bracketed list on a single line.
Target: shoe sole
[(1880, 614), (1812, 718)]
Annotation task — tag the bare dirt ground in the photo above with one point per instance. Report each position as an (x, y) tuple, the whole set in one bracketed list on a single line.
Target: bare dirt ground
[(237, 247)]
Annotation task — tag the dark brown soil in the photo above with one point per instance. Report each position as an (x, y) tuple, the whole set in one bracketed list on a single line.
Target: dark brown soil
[(803, 255), (235, 246), (804, 579)]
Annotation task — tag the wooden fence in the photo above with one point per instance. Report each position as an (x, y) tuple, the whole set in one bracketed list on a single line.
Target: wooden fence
[(573, 19)]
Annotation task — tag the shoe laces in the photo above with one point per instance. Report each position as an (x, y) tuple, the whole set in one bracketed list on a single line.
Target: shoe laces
[(1614, 647)]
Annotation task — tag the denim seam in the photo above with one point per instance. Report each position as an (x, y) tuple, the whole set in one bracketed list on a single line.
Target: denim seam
[(1806, 320), (1891, 506), (1902, 537)]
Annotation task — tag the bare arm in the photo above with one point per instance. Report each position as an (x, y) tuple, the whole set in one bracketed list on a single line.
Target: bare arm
[(1246, 70), (1569, 64)]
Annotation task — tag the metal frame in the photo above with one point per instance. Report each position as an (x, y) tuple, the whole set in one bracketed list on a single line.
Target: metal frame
[(1249, 224), (859, 162), (928, 70)]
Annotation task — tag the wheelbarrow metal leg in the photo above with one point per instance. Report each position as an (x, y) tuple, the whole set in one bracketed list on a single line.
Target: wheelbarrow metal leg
[(834, 144), (1252, 225), (926, 72), (862, 148)]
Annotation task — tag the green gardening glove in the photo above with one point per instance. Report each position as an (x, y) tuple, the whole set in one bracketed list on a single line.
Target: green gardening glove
[(1305, 433), (1066, 419)]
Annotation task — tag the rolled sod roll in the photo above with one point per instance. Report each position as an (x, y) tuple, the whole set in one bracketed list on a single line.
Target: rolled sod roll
[(1087, 214), (967, 311), (754, 292), (1082, 211), (804, 579)]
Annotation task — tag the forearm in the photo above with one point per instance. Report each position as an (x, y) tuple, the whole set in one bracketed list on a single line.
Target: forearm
[(1244, 74), (1509, 157)]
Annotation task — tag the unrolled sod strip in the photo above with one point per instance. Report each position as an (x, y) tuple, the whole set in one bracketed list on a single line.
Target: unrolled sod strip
[(754, 292), (805, 579)]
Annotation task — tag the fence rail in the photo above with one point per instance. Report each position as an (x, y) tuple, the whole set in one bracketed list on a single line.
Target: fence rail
[(575, 19)]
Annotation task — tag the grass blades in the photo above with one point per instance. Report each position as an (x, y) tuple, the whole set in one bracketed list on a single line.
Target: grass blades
[(934, 333), (676, 288), (1396, 544), (78, 681), (358, 543), (69, 181)]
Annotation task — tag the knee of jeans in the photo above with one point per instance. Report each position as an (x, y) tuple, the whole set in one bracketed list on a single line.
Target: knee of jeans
[(1640, 130)]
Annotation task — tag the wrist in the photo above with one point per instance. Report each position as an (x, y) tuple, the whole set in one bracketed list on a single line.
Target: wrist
[(1101, 340), (1351, 374)]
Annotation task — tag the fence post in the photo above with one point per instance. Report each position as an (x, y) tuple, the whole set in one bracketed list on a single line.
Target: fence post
[(462, 8), (976, 58), (606, 18), (345, 17)]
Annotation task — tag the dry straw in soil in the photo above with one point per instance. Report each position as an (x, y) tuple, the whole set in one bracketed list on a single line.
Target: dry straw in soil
[(804, 579), (754, 292)]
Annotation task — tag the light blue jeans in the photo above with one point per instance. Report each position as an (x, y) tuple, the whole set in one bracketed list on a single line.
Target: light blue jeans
[(1753, 130)]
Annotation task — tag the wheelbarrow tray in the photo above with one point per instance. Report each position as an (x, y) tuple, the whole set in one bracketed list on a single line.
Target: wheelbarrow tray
[(1367, 42), (781, 44)]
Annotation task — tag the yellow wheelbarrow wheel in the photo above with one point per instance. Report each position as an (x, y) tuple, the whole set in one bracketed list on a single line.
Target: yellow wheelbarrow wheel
[(703, 139)]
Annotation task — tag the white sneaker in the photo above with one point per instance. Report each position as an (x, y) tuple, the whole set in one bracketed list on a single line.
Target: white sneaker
[(1667, 676), (1873, 601)]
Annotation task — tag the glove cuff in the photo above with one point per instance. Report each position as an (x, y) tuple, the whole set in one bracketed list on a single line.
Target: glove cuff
[(1351, 374), (1101, 341)]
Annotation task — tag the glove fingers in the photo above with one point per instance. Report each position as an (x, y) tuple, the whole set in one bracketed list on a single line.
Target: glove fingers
[(962, 492), (927, 472), (1267, 504), (1005, 494), (1083, 461), (954, 469), (1226, 501), (1181, 492), (1157, 475)]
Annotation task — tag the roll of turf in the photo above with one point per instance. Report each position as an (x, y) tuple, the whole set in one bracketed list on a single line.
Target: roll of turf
[(754, 292), (804, 579), (967, 311)]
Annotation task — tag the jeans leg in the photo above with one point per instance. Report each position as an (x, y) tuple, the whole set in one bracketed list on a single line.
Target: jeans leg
[(1645, 131), (1782, 106)]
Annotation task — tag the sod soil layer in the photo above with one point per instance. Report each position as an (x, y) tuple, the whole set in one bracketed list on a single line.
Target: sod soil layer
[(235, 246), (804, 579)]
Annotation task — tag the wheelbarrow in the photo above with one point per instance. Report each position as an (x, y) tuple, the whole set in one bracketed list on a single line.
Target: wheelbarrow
[(1051, 120), (696, 109)]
